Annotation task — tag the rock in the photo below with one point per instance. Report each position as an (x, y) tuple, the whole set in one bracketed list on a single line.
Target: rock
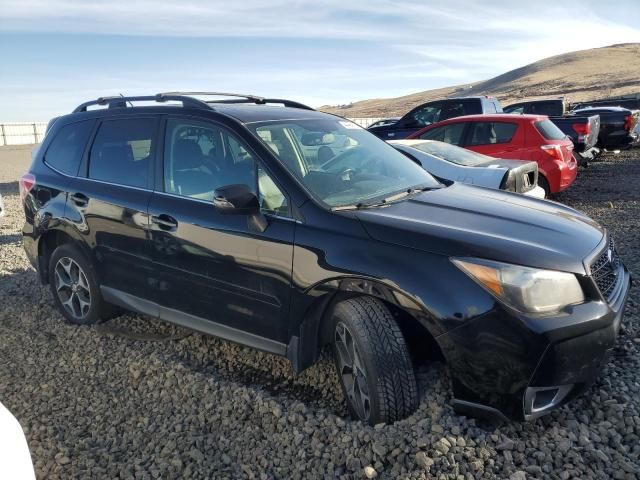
[(424, 461), (518, 475), (507, 444), (442, 446), (370, 472)]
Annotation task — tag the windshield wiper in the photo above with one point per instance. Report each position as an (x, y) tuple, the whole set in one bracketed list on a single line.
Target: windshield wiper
[(386, 200)]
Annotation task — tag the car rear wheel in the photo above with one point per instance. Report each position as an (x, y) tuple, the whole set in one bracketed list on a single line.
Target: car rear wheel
[(542, 182), (373, 362), (75, 289)]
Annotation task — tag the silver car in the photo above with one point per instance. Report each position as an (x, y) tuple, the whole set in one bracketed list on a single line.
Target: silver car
[(454, 164)]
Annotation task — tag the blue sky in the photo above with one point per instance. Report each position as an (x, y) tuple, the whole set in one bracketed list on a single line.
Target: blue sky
[(54, 54)]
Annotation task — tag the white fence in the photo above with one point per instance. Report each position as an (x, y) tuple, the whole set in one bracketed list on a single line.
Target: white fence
[(16, 133)]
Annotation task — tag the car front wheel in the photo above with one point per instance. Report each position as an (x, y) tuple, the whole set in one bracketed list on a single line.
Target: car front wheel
[(373, 362)]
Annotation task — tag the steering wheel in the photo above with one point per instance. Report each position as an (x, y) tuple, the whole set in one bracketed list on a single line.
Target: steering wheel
[(346, 154)]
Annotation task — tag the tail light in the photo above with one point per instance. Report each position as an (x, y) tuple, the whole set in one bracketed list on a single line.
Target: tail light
[(628, 119), (27, 181), (554, 151), (582, 128)]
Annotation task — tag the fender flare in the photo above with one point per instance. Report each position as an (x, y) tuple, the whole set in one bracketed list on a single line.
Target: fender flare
[(304, 348)]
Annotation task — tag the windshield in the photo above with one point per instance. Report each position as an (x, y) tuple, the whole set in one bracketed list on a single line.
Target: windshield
[(453, 154), (340, 163)]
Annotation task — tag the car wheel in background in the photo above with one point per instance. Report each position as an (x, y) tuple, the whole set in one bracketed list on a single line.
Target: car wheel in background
[(545, 185), (373, 362)]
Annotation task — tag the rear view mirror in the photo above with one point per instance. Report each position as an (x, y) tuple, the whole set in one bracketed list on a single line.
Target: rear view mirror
[(315, 139)]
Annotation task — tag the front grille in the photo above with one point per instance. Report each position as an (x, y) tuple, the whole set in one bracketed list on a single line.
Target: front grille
[(605, 271)]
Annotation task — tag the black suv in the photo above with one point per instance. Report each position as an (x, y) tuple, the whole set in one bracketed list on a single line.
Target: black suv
[(219, 216)]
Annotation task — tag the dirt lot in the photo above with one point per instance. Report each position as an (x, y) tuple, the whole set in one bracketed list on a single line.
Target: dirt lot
[(134, 398)]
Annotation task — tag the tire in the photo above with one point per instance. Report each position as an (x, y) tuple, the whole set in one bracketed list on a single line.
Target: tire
[(364, 329), (73, 283), (545, 185)]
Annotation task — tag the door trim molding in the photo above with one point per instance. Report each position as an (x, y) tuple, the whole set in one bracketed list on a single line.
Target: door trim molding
[(152, 309)]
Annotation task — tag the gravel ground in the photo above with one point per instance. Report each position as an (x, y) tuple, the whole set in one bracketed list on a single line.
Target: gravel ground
[(135, 398)]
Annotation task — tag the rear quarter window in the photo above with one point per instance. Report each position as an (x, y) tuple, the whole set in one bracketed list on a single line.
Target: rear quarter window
[(66, 149), (548, 130)]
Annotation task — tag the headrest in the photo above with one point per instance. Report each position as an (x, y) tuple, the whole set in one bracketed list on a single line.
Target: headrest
[(187, 154)]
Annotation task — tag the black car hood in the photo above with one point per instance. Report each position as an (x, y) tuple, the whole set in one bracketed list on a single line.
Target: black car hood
[(463, 220)]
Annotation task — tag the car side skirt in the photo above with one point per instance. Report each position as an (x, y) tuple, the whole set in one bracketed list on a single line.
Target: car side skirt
[(147, 307)]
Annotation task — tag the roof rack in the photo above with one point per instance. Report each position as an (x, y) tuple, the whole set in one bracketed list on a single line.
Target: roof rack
[(188, 100), (239, 98), (121, 102)]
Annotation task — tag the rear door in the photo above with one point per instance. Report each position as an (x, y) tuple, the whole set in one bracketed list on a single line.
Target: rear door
[(497, 139), (108, 201), (216, 272)]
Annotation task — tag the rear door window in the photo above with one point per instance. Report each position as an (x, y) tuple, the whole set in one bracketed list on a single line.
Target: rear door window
[(488, 133), (121, 151), (549, 130), (65, 152), (451, 133)]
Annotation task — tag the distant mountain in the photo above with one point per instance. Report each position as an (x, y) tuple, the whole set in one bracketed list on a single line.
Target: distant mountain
[(580, 76)]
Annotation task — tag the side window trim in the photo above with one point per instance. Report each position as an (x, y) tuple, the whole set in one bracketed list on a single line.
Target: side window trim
[(152, 151), (83, 171)]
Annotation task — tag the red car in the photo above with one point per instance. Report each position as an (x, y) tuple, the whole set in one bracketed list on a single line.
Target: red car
[(521, 137)]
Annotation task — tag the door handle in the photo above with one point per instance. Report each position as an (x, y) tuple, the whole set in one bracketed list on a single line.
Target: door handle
[(79, 199), (165, 222)]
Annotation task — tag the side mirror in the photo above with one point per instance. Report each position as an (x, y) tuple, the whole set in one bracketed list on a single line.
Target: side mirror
[(240, 200), (235, 200)]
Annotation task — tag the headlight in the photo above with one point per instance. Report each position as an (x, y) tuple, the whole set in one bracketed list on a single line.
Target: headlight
[(528, 290)]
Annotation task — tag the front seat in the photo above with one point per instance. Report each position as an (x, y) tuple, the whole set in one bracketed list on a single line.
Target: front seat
[(324, 154), (188, 176)]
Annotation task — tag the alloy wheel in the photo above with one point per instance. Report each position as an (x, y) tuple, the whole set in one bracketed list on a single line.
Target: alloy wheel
[(352, 371), (72, 287)]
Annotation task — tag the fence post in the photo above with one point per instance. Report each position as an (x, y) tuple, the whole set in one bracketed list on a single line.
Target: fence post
[(35, 133), (4, 135)]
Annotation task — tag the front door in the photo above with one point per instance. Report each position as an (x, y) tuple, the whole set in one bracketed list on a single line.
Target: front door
[(213, 267)]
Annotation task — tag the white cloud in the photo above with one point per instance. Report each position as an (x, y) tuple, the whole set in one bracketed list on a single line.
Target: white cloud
[(394, 48)]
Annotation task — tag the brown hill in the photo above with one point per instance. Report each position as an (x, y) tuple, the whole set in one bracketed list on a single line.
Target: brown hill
[(582, 75)]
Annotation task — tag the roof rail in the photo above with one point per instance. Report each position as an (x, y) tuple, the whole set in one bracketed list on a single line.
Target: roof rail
[(121, 102), (188, 100), (239, 98)]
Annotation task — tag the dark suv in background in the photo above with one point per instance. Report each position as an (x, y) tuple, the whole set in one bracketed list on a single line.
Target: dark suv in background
[(215, 215)]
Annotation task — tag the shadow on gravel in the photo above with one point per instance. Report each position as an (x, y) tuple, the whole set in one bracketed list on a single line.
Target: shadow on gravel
[(9, 188)]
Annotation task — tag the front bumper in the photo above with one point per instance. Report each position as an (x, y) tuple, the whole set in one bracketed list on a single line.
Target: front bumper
[(516, 367)]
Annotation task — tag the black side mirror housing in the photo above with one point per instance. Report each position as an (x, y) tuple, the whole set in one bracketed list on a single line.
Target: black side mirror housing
[(240, 200), (236, 200)]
